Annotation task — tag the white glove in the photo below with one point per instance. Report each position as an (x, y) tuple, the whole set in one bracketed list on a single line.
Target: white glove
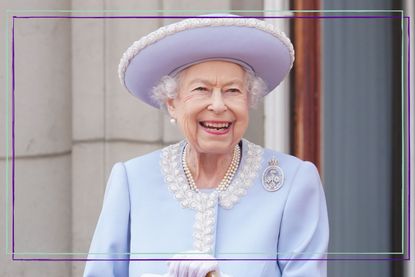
[(189, 268)]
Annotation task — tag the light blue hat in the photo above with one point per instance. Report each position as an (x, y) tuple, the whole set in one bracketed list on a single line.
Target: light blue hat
[(252, 43)]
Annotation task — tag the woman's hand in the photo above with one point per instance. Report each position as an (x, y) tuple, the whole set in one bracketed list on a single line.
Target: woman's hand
[(188, 267)]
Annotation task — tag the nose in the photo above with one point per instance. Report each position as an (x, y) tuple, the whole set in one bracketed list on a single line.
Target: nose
[(217, 103)]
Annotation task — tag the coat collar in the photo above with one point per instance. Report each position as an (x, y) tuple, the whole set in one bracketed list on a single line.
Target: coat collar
[(175, 178)]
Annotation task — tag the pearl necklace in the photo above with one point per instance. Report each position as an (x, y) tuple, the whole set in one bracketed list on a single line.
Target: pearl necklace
[(226, 181)]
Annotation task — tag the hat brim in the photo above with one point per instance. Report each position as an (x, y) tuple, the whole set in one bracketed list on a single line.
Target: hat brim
[(268, 56)]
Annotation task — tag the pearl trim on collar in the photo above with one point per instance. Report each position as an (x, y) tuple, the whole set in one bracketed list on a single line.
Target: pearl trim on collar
[(205, 203)]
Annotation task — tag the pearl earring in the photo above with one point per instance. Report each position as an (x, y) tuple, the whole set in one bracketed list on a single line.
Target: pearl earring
[(173, 121)]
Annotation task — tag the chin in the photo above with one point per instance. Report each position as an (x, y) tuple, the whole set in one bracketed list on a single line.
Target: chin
[(217, 147)]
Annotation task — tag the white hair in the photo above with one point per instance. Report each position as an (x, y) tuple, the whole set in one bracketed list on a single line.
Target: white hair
[(167, 89)]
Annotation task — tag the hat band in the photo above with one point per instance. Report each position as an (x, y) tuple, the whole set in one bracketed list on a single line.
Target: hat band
[(246, 66)]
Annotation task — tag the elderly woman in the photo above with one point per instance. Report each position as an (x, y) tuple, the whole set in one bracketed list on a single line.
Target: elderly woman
[(187, 209)]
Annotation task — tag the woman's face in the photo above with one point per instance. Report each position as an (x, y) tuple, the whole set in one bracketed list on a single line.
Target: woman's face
[(211, 106)]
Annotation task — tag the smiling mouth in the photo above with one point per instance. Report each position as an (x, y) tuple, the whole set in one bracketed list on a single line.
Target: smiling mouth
[(215, 125)]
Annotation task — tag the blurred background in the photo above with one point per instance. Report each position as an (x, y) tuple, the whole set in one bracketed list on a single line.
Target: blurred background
[(342, 107)]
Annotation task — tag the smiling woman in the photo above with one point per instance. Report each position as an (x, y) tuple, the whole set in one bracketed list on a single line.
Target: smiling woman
[(213, 195), (211, 107)]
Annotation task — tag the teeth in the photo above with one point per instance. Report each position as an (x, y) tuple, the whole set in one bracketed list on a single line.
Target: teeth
[(215, 125)]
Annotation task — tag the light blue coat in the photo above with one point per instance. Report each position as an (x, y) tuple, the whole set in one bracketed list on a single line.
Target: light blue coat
[(149, 213)]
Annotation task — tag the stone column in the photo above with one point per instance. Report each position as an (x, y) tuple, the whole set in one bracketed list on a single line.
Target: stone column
[(42, 217), (88, 178), (109, 125)]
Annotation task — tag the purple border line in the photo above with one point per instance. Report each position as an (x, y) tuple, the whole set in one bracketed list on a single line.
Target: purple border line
[(220, 259), (13, 138), (184, 17), (409, 133), (180, 17)]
